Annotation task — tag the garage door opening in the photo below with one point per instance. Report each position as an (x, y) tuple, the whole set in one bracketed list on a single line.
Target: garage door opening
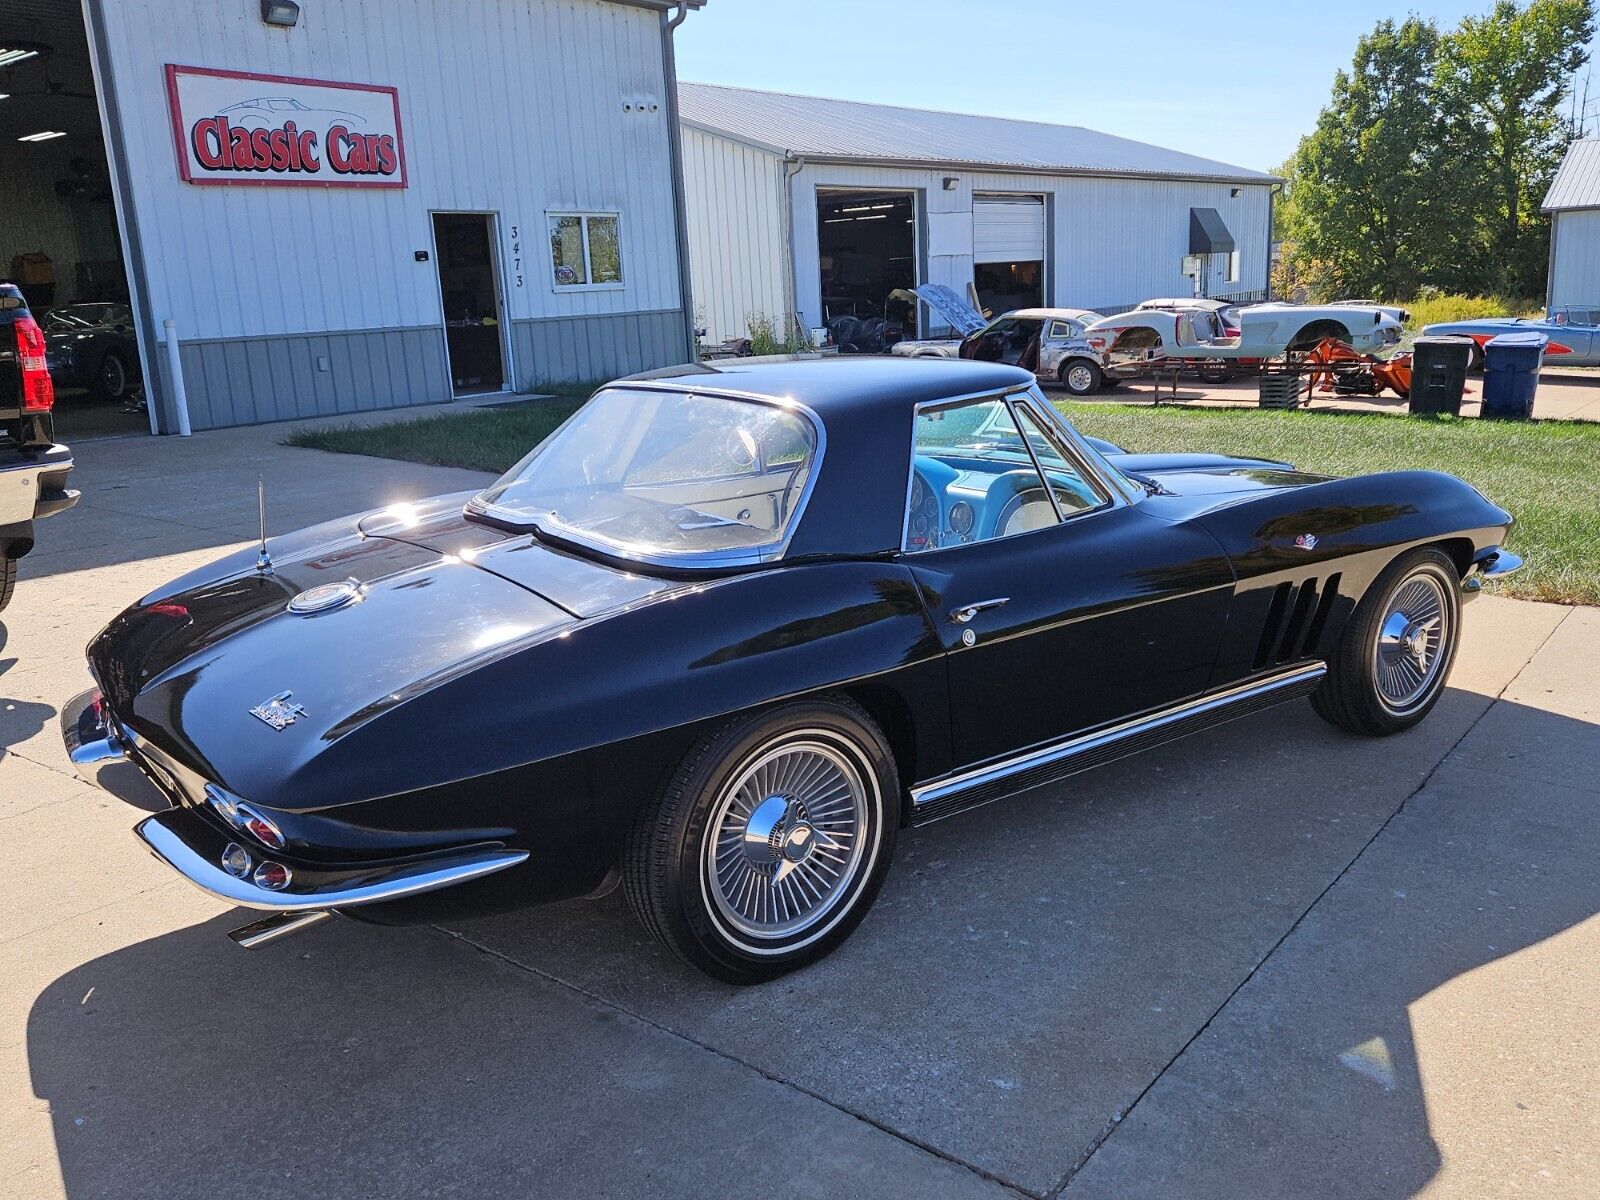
[(59, 240), (1008, 251), (469, 287), (868, 244)]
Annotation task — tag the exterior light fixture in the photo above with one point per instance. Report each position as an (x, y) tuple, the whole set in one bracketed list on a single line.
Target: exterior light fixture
[(951, 183), (44, 135), (1234, 192), (280, 12)]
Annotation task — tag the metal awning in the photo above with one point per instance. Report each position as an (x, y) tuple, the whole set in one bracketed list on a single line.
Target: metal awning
[(1207, 233)]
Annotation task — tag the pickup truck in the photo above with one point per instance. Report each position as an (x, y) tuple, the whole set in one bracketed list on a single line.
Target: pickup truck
[(33, 468)]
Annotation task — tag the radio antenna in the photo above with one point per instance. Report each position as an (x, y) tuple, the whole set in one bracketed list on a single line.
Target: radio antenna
[(263, 559)]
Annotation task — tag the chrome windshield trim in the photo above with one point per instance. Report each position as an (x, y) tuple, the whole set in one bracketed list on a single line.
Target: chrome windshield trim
[(1080, 745), (710, 560), (379, 885)]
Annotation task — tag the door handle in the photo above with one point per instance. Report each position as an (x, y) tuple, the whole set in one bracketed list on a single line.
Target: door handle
[(967, 611)]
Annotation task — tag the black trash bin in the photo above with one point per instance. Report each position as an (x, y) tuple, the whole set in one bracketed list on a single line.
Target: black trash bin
[(1511, 365), (1439, 373)]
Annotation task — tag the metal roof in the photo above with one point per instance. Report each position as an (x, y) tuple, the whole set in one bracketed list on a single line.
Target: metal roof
[(815, 128), (1577, 183)]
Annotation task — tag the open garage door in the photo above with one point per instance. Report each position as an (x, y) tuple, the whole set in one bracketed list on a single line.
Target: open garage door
[(1008, 250), (868, 256), (58, 226)]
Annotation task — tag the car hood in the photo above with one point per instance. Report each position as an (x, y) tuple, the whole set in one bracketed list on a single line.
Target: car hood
[(185, 667)]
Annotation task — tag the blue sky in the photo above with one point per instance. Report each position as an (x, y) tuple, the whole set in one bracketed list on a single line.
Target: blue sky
[(1241, 86)]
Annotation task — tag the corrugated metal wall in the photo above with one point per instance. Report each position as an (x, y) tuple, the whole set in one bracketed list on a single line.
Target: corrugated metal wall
[(1575, 259), (508, 106), (735, 200), (1114, 242)]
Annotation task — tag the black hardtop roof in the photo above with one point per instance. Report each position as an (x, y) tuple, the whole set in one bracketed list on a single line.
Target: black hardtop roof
[(836, 385)]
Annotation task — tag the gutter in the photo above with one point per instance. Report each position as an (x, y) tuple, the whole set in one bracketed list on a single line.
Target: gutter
[(793, 165), (669, 71)]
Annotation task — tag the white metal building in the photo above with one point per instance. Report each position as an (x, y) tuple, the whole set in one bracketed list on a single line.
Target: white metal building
[(1574, 204), (343, 205), (816, 207)]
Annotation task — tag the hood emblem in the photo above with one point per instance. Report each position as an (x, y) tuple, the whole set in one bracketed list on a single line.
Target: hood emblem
[(326, 598), (1306, 541), (280, 712)]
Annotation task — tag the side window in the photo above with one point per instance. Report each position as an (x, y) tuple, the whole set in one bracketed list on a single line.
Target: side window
[(973, 479), (1073, 492), (585, 250)]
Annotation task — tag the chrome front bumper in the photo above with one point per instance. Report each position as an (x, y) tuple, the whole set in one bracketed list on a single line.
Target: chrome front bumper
[(195, 847), (1494, 563)]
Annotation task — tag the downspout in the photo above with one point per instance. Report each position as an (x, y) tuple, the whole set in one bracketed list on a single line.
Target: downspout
[(793, 165), (669, 71), (1272, 208)]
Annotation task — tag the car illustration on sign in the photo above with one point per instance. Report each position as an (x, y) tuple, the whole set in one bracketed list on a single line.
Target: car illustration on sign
[(729, 629)]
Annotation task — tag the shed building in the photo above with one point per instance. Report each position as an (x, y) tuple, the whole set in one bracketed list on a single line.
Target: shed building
[(1573, 203), (804, 210)]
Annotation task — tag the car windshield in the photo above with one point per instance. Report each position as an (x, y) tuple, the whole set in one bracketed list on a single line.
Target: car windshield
[(666, 476)]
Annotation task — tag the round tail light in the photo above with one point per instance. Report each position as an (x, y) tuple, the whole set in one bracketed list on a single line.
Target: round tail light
[(236, 861), (272, 876), (258, 827)]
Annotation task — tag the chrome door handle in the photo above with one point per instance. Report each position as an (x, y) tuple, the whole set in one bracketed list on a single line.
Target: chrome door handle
[(967, 611)]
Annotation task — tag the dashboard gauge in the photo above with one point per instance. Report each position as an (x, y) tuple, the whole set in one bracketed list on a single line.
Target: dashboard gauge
[(924, 516), (961, 518)]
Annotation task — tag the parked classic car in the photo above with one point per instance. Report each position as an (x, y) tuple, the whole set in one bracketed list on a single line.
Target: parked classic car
[(1014, 337), (92, 346), (1226, 311), (1137, 343), (730, 628), (1573, 330)]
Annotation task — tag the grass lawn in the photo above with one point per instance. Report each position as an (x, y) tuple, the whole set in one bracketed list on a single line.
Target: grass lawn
[(1546, 472)]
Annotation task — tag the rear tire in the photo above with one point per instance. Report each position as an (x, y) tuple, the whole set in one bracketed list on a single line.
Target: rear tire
[(768, 844), (1395, 654), (1080, 376), (8, 579)]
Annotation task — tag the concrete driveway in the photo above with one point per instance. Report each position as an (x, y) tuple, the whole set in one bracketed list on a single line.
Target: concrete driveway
[(1273, 961)]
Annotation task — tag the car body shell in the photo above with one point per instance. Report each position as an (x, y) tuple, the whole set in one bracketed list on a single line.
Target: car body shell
[(494, 692), (1573, 330), (1136, 343)]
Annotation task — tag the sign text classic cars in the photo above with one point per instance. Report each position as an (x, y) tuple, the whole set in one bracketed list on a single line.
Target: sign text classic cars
[(236, 127)]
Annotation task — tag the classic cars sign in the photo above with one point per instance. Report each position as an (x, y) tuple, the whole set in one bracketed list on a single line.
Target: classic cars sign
[(235, 127)]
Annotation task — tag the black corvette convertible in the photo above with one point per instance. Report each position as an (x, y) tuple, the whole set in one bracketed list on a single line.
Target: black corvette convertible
[(727, 630)]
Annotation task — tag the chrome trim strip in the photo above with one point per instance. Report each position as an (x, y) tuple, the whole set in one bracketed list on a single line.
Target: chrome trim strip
[(1082, 744), (381, 884)]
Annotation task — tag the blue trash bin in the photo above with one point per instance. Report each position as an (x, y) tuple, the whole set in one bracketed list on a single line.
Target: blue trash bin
[(1511, 365)]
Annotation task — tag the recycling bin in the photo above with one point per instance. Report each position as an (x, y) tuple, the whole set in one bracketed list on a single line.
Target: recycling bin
[(1511, 365), (1439, 374)]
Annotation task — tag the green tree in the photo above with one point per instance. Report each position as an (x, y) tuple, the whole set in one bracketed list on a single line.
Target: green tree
[(1365, 202), (1502, 79)]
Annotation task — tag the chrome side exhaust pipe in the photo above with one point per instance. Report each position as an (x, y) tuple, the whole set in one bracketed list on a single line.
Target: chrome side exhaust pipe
[(279, 925)]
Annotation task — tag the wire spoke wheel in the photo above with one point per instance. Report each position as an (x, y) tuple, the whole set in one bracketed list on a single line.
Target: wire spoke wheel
[(785, 840), (1413, 642)]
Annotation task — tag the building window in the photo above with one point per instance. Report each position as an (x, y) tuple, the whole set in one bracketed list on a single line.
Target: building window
[(585, 250), (1233, 267)]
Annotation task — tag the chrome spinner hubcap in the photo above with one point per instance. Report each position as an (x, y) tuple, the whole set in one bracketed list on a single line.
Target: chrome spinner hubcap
[(1412, 643), (787, 839)]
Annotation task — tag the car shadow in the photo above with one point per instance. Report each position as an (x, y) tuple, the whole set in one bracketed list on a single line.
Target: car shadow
[(355, 1060)]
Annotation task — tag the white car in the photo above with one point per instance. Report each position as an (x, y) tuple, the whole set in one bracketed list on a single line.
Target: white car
[(1145, 340)]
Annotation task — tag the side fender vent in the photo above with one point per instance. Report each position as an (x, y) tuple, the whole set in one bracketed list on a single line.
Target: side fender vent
[(1296, 618)]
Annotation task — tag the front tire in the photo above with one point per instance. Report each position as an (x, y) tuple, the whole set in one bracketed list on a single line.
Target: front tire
[(768, 844), (1396, 652), (111, 380), (1080, 376)]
